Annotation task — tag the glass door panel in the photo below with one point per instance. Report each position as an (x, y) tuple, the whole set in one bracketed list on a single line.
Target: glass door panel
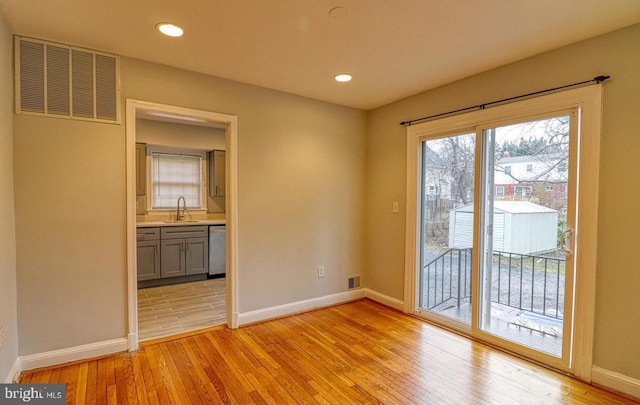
[(447, 192), (525, 291)]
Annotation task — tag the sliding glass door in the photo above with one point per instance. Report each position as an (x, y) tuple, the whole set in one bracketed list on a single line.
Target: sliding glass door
[(448, 175), (525, 292), (497, 212)]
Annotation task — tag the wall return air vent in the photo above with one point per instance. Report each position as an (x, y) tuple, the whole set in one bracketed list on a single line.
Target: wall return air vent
[(67, 82)]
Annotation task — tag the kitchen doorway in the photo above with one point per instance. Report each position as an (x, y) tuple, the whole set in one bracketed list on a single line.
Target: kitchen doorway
[(185, 116)]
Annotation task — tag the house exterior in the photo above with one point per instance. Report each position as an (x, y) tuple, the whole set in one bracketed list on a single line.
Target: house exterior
[(539, 179)]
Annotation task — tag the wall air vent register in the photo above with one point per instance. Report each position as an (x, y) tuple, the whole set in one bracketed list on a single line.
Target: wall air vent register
[(66, 82)]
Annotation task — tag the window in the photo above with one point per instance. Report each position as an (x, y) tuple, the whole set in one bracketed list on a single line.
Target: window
[(176, 173), (507, 169), (500, 191), (548, 188), (523, 191), (529, 167)]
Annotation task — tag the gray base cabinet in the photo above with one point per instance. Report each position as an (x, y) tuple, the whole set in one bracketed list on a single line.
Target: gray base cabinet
[(148, 260), (178, 251), (172, 254), (197, 256), (148, 253)]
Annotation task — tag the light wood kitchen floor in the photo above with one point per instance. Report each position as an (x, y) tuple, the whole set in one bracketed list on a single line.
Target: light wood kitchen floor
[(173, 309)]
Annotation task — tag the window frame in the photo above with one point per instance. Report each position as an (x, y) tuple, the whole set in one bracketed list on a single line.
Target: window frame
[(175, 150)]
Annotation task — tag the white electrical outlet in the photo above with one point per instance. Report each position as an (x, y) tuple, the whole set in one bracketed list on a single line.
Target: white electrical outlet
[(320, 271)]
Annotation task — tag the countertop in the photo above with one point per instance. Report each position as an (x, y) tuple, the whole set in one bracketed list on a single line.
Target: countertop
[(143, 221)]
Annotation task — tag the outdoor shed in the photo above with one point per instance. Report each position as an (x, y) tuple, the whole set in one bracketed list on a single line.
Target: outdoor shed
[(518, 227)]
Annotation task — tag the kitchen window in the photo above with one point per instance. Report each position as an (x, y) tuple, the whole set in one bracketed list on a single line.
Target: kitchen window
[(175, 173)]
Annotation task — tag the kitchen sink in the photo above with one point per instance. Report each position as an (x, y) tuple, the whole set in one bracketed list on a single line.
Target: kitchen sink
[(184, 221)]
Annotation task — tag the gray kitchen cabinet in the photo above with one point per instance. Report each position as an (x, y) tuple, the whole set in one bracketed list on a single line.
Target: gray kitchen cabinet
[(141, 169), (172, 258), (148, 253), (197, 256), (217, 167), (184, 251)]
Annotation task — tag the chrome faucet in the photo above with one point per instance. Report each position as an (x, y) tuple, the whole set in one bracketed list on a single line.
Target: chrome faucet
[(180, 216)]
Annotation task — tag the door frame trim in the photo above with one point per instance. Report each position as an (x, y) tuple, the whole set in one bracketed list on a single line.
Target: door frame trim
[(589, 100), (207, 118)]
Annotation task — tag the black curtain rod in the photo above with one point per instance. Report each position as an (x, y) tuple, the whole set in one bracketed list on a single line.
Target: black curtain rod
[(597, 79)]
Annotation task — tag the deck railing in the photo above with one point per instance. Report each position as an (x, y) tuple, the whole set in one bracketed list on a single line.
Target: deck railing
[(532, 283)]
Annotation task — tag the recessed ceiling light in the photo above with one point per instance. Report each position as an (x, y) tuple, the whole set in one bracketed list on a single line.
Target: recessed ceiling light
[(343, 77), (169, 29)]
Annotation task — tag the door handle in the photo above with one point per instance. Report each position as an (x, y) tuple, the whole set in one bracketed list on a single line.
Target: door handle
[(567, 234)]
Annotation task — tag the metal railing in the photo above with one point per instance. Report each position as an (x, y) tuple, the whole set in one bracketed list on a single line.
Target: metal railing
[(532, 283), (446, 279)]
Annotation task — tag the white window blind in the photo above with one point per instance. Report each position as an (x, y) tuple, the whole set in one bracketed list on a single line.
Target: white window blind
[(174, 175)]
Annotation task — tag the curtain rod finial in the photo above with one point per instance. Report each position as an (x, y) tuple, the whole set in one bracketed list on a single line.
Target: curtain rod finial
[(600, 79)]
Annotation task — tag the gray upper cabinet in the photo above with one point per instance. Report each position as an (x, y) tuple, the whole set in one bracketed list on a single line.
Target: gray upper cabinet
[(148, 253), (141, 169), (217, 185)]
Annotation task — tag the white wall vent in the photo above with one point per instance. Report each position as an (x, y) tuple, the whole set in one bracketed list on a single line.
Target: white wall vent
[(64, 81)]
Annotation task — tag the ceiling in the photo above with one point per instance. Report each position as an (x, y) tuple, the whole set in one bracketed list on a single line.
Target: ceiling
[(393, 49)]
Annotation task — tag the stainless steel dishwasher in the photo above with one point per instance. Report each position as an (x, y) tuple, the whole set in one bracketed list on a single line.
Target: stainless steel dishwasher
[(217, 250)]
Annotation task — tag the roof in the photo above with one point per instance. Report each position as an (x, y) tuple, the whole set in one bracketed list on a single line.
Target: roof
[(512, 207), (530, 158)]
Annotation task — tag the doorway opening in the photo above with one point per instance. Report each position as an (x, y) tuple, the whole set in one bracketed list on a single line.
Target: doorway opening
[(215, 296)]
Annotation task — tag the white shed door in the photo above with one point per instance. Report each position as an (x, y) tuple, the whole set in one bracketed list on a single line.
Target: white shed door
[(498, 231), (463, 230)]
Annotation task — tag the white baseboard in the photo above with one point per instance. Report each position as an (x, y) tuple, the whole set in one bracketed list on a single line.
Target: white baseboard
[(69, 354), (132, 341), (615, 381), (278, 311), (384, 299), (14, 372)]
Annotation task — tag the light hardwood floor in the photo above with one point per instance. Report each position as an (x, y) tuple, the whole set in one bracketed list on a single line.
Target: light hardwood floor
[(354, 353), (173, 309)]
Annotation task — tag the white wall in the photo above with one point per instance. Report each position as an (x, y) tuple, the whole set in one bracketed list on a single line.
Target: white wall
[(617, 321), (301, 198), (70, 229), (8, 300), (301, 181)]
